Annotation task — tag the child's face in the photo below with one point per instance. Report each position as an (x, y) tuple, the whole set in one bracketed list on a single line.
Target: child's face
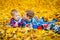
[(25, 17), (16, 16)]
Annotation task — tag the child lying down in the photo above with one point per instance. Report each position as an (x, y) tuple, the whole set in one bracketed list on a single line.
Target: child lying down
[(36, 24)]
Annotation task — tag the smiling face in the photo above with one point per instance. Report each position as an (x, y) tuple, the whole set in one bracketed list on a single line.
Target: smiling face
[(16, 16)]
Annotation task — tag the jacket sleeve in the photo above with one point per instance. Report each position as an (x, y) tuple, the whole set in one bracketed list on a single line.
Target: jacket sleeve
[(12, 22)]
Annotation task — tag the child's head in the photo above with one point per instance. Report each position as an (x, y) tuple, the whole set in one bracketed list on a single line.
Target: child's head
[(15, 14), (28, 15)]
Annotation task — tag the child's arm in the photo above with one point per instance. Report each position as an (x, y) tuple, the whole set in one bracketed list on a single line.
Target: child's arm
[(12, 23)]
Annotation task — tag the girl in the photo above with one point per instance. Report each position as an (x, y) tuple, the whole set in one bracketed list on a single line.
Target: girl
[(15, 20)]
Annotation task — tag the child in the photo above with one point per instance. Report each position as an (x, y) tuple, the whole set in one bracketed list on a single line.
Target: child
[(27, 18), (15, 20)]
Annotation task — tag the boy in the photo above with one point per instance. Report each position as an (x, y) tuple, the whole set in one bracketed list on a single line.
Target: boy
[(15, 20), (27, 18)]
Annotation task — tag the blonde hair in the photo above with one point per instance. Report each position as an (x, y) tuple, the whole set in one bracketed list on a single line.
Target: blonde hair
[(14, 11)]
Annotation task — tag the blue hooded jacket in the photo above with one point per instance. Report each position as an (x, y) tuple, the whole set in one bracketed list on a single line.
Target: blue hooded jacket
[(41, 21)]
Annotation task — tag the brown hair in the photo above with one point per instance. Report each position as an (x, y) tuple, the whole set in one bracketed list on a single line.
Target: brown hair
[(14, 11), (30, 14)]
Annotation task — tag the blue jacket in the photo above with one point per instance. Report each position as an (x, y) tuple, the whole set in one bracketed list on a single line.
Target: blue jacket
[(41, 21), (35, 23)]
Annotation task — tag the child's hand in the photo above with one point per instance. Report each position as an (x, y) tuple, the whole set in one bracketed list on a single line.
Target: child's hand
[(15, 25)]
